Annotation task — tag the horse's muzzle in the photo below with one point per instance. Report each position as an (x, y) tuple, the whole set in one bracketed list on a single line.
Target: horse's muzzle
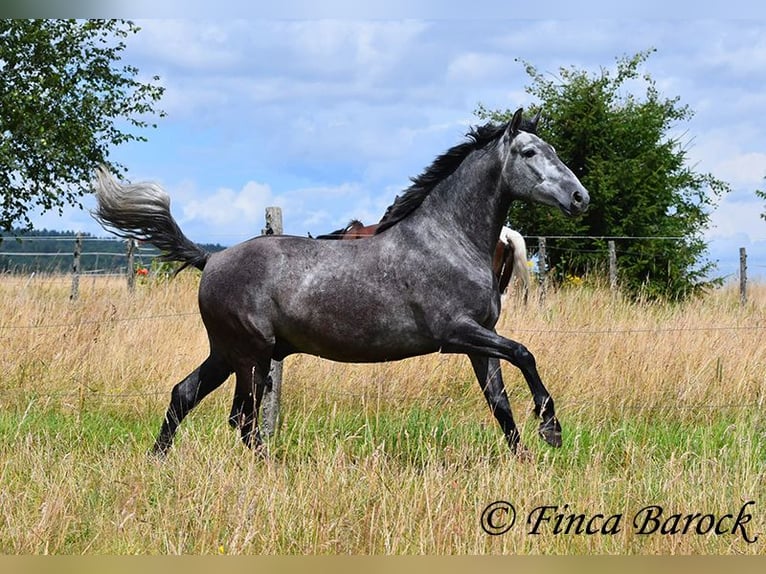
[(578, 202)]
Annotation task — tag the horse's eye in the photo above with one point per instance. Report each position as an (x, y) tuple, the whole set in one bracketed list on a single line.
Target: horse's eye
[(527, 153)]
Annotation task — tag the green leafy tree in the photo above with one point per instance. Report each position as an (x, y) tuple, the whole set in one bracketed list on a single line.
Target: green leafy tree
[(762, 194), (623, 149), (65, 99)]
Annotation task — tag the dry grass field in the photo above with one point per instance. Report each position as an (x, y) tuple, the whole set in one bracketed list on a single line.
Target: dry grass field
[(662, 408)]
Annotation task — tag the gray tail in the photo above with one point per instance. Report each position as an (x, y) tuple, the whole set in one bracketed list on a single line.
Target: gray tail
[(141, 211)]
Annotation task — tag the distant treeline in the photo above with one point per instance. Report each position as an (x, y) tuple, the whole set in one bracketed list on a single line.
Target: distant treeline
[(50, 251)]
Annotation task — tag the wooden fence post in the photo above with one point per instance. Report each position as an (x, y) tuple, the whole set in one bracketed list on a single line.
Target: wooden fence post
[(612, 266), (273, 392), (542, 265), (131, 271), (75, 292), (742, 276)]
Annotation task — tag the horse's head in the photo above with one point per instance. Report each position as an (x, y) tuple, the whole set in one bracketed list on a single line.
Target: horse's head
[(534, 172)]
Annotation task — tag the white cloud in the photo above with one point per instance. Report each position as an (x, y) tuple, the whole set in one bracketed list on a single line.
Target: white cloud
[(233, 66), (733, 218), (743, 170), (472, 66), (193, 45), (227, 209), (364, 48), (329, 119), (228, 216), (738, 161), (742, 52)]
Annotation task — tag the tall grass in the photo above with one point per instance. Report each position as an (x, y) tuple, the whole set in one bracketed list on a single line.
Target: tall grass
[(660, 405)]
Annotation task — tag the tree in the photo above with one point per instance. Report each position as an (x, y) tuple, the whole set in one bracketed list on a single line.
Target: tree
[(64, 101), (622, 149), (762, 195)]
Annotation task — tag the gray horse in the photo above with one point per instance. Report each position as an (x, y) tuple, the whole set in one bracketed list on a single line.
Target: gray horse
[(423, 283)]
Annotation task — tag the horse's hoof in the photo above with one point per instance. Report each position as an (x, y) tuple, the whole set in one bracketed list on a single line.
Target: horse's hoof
[(550, 431), (252, 440), (158, 453)]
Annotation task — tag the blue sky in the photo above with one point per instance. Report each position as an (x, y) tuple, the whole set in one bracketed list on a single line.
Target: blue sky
[(329, 118)]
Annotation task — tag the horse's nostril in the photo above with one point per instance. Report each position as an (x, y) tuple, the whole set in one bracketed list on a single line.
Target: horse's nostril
[(577, 197)]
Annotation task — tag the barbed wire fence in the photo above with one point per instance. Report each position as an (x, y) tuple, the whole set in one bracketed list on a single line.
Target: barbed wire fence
[(139, 257), (103, 263), (611, 256), (271, 412)]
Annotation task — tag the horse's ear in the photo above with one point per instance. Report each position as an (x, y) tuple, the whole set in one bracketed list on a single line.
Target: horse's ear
[(513, 125), (534, 121)]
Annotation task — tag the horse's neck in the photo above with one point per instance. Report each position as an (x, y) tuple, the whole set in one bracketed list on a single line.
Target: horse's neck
[(471, 202)]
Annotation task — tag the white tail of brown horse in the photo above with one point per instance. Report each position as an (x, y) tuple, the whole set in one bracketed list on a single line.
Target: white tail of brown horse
[(518, 267)]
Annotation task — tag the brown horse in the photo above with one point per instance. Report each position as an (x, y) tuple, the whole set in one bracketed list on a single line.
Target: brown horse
[(510, 252), (354, 230)]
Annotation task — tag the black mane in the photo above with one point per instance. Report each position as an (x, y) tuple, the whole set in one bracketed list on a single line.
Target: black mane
[(441, 168)]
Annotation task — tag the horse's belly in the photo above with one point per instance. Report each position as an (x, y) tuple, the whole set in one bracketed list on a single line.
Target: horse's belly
[(359, 343), (374, 354)]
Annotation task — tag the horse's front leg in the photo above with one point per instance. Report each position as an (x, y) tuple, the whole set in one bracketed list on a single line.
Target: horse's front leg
[(471, 338), (490, 379)]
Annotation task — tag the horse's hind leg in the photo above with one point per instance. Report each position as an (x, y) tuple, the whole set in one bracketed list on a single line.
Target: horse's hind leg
[(248, 393), (237, 411), (186, 395), (238, 406), (490, 378)]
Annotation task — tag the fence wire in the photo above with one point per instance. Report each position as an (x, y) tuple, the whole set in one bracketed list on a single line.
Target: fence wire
[(100, 321), (84, 393), (372, 394), (187, 314)]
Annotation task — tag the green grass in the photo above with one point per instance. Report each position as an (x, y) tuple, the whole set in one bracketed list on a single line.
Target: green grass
[(389, 458), (331, 464)]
